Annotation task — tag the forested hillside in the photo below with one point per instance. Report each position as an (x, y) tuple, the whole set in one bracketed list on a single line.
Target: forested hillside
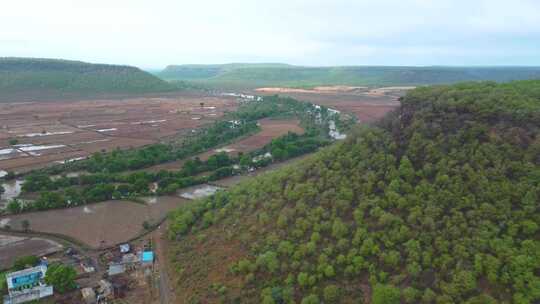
[(438, 203), (27, 76), (262, 75), (205, 71)]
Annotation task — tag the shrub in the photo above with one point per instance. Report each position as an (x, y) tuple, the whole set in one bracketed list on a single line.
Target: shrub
[(385, 294), (331, 294)]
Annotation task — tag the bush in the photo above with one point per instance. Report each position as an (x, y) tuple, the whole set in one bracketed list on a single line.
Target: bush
[(385, 294), (25, 262), (331, 294), (410, 294), (61, 277), (311, 299)]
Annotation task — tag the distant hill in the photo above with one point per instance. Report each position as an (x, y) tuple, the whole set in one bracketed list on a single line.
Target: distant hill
[(275, 74), (207, 71), (438, 203), (36, 78)]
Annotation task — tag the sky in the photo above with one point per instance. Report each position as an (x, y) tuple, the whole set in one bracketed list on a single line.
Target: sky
[(154, 33)]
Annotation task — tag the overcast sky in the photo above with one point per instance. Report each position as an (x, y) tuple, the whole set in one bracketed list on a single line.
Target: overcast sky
[(155, 33)]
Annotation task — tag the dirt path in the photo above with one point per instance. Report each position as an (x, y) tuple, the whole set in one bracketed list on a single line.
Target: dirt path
[(166, 293)]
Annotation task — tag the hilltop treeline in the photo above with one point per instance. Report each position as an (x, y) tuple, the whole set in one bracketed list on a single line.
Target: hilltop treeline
[(30, 77), (262, 75), (439, 203)]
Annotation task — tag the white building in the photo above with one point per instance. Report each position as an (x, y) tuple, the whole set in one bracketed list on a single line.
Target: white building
[(27, 285)]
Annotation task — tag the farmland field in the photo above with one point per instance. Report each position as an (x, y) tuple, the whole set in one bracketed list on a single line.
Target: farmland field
[(366, 104), (33, 135), (13, 247), (101, 224), (270, 128)]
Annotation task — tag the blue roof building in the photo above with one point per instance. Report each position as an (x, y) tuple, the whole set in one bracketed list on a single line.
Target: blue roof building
[(147, 257)]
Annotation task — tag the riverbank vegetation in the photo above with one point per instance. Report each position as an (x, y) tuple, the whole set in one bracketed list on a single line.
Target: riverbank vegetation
[(111, 176)]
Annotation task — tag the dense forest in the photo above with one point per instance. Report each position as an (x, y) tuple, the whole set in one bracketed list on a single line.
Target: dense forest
[(437, 203), (261, 75), (31, 76)]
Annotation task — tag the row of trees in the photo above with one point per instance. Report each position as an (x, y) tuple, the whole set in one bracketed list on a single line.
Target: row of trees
[(74, 191), (90, 188)]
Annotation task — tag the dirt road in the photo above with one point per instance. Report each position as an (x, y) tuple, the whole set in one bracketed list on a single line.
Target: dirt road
[(166, 293)]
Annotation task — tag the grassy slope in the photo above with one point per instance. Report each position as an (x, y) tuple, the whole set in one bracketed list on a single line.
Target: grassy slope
[(59, 77), (258, 75), (438, 204)]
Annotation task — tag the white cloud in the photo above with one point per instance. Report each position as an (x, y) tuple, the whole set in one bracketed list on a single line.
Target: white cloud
[(160, 32)]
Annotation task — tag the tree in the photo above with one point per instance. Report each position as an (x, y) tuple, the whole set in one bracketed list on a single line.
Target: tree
[(2, 190), (385, 294), (311, 299), (411, 295), (61, 277), (329, 271), (303, 279), (331, 294), (269, 261), (339, 229), (428, 296), (25, 224), (13, 141), (10, 175), (482, 299), (245, 161), (406, 169), (25, 262)]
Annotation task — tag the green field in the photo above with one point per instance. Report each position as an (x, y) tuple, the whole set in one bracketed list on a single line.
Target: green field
[(273, 74)]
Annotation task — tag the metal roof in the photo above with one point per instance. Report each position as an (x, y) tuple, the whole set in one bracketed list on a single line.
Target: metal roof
[(147, 256)]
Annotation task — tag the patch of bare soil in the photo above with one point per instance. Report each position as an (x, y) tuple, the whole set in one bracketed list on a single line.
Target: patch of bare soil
[(98, 225), (202, 268), (366, 104), (13, 247), (315, 90), (270, 129)]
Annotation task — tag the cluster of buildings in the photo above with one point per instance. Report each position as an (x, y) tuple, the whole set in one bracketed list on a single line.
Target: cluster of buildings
[(128, 260), (120, 262), (104, 291), (123, 265)]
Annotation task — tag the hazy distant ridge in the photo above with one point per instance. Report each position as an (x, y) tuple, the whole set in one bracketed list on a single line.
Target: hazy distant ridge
[(275, 74)]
